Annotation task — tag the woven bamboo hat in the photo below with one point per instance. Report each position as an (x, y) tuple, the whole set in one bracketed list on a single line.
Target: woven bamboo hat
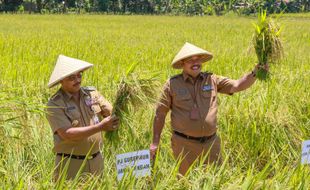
[(189, 50), (66, 66)]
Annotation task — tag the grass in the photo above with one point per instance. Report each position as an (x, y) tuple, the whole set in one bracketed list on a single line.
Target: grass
[(261, 129)]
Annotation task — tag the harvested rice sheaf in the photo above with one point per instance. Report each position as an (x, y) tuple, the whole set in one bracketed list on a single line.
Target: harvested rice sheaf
[(266, 42), (133, 91)]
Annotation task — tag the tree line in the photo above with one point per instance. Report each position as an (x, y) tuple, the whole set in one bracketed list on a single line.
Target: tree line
[(173, 7)]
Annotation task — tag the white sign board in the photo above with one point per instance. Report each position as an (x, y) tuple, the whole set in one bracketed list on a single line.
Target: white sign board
[(305, 156), (138, 161)]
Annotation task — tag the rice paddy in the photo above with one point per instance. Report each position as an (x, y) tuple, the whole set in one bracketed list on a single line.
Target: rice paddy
[(261, 128)]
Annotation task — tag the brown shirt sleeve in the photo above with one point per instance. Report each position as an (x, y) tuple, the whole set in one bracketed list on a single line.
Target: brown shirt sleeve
[(56, 117), (164, 103), (105, 105), (224, 84)]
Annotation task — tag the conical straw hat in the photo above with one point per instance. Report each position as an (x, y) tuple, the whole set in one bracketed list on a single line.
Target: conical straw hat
[(66, 66), (189, 50)]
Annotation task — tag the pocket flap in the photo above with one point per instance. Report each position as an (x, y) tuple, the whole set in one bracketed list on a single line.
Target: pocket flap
[(73, 114), (208, 94), (186, 96)]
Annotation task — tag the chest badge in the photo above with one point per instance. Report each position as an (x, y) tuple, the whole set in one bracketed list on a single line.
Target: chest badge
[(207, 87), (75, 123)]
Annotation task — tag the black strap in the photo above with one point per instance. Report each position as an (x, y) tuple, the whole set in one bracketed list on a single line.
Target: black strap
[(79, 157), (200, 139)]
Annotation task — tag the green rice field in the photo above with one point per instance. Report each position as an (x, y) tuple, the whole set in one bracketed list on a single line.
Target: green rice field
[(261, 129)]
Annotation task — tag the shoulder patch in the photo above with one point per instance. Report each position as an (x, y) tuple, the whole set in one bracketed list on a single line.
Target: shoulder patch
[(89, 88)]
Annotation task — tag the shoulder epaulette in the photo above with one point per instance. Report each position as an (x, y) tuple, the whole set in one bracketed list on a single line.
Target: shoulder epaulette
[(55, 97), (207, 73), (175, 76), (89, 88)]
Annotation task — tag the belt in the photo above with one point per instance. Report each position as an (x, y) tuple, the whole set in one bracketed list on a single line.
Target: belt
[(79, 157), (199, 139)]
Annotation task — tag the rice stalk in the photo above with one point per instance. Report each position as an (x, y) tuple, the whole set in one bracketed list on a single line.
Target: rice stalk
[(133, 91), (267, 43)]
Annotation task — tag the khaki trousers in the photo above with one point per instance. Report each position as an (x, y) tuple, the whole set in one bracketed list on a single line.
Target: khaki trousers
[(190, 150), (92, 166)]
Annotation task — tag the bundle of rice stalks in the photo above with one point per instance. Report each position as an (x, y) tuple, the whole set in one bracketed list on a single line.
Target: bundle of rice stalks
[(266, 42), (133, 92)]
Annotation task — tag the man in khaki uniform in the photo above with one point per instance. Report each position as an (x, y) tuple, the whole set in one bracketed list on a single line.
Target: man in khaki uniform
[(192, 99), (74, 114)]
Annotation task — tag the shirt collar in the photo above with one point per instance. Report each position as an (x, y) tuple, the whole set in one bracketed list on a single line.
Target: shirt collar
[(69, 95), (188, 77), (65, 94)]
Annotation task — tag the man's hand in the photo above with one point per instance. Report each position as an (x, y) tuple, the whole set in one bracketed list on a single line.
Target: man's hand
[(109, 123), (259, 66), (153, 150), (247, 80)]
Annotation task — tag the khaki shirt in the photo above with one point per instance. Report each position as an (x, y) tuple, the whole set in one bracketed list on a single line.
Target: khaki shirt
[(63, 112), (180, 94)]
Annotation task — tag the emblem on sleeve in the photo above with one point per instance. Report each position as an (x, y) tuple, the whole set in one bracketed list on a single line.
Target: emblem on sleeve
[(90, 101)]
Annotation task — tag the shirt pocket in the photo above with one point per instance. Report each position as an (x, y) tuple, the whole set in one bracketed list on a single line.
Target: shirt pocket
[(74, 116), (183, 101), (209, 99)]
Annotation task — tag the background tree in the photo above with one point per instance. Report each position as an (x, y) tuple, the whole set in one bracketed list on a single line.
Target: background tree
[(11, 5), (176, 7)]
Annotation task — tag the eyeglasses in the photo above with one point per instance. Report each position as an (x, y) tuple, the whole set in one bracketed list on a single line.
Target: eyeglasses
[(75, 76), (191, 60)]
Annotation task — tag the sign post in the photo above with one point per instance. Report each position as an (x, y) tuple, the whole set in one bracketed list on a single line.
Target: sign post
[(139, 161), (305, 156)]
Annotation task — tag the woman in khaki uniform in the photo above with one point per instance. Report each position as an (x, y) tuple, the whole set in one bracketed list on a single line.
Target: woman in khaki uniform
[(192, 98), (74, 114)]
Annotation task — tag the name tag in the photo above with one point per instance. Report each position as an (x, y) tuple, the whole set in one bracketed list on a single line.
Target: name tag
[(70, 108), (207, 88)]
